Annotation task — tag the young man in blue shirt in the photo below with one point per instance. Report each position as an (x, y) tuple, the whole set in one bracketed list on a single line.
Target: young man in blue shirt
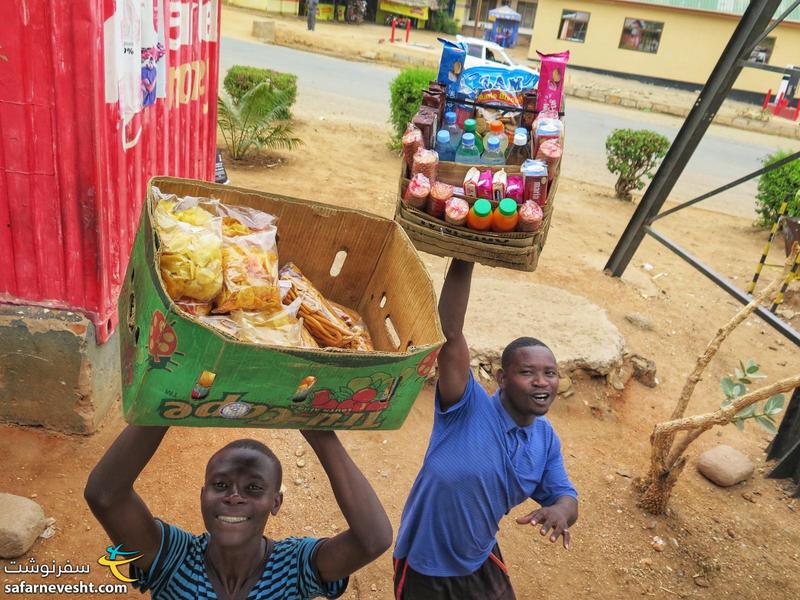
[(486, 456), (233, 560)]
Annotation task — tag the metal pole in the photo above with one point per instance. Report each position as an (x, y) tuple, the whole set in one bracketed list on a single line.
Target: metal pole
[(727, 69)]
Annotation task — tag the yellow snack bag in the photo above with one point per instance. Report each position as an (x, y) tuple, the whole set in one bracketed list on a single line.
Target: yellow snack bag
[(190, 253), (250, 261)]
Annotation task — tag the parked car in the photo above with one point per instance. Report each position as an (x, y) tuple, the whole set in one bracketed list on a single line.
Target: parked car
[(482, 53)]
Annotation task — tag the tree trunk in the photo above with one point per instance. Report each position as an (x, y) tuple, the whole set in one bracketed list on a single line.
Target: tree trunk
[(623, 189), (655, 490)]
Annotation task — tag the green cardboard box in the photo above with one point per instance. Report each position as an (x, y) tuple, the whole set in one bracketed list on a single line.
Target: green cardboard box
[(177, 371)]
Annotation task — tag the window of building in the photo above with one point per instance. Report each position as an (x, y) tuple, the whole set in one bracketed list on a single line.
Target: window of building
[(573, 25), (763, 51), (485, 8), (527, 11), (644, 36)]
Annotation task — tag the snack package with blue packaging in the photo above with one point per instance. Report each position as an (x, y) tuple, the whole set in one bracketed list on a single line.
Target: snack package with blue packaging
[(451, 65)]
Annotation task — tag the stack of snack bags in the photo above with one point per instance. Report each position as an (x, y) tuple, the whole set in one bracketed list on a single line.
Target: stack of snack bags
[(219, 263)]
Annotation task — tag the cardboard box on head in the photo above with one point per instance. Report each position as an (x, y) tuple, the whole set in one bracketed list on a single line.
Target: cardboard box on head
[(177, 371)]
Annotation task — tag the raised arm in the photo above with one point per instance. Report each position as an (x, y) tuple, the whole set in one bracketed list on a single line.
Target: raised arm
[(370, 533), (110, 494), (454, 356)]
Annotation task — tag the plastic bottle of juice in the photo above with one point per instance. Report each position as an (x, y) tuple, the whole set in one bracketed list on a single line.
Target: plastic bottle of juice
[(444, 148), (505, 217), (494, 153), (471, 126), (519, 151), (467, 152), (452, 126), (479, 216), (497, 129)]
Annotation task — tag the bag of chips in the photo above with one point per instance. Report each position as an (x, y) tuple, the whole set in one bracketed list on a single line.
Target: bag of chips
[(250, 261), (190, 251)]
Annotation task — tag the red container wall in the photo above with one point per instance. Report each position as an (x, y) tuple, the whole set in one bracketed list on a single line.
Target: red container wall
[(96, 96)]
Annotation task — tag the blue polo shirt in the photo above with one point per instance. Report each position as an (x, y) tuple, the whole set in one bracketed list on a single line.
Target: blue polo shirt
[(479, 465)]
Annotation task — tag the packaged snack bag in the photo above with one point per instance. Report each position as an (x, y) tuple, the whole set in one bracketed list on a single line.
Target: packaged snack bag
[(530, 216), (501, 88), (471, 182), (455, 211), (451, 65), (550, 152), (552, 70), (249, 260), (499, 183), (484, 188), (514, 188), (191, 247), (273, 328), (356, 324), (440, 194), (427, 163), (417, 191), (319, 317), (412, 141)]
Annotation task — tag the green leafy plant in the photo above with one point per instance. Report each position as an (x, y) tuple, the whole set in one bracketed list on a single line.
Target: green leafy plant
[(259, 121), (241, 79), (632, 155), (774, 186), (442, 21), (406, 96), (735, 386)]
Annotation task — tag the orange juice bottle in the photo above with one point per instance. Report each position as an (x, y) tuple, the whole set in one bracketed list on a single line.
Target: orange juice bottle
[(505, 217), (479, 216)]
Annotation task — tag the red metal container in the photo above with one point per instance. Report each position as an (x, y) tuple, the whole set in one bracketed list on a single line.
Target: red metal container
[(96, 96)]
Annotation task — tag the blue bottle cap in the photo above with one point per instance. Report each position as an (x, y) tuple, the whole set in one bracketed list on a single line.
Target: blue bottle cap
[(443, 137), (449, 117), (468, 139), (493, 143)]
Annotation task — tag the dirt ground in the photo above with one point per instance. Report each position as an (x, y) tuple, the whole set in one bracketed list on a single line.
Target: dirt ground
[(740, 542)]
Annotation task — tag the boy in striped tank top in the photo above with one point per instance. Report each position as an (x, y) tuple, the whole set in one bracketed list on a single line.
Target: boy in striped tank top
[(233, 559)]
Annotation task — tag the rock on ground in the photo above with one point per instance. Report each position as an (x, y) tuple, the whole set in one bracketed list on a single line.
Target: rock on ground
[(725, 466), (503, 308), (21, 522)]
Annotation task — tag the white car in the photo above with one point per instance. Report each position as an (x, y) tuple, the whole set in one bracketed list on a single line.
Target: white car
[(482, 53)]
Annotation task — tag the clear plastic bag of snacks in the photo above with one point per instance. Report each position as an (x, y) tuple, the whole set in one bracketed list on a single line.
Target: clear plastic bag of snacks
[(190, 251), (250, 261), (427, 163), (319, 318), (412, 141)]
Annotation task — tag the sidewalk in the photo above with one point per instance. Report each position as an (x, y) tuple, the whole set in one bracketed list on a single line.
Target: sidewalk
[(370, 42)]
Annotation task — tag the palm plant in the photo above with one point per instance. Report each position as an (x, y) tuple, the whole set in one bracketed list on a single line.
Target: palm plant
[(260, 120)]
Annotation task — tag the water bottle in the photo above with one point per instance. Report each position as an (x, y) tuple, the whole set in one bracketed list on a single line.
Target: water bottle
[(455, 131), (467, 152), (519, 151), (471, 126), (443, 146), (494, 154)]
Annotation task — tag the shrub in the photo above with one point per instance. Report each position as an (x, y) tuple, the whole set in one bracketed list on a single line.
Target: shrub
[(240, 79), (632, 156), (774, 186), (406, 92), (442, 21), (258, 121)]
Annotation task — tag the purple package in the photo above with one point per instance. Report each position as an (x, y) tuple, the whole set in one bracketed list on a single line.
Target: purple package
[(484, 189), (515, 188), (551, 80)]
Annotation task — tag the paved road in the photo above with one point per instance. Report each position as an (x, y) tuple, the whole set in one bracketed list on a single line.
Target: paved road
[(360, 91)]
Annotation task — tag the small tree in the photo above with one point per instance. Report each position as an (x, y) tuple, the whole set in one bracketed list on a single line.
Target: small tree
[(406, 96), (259, 121), (632, 156), (773, 188), (667, 458)]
